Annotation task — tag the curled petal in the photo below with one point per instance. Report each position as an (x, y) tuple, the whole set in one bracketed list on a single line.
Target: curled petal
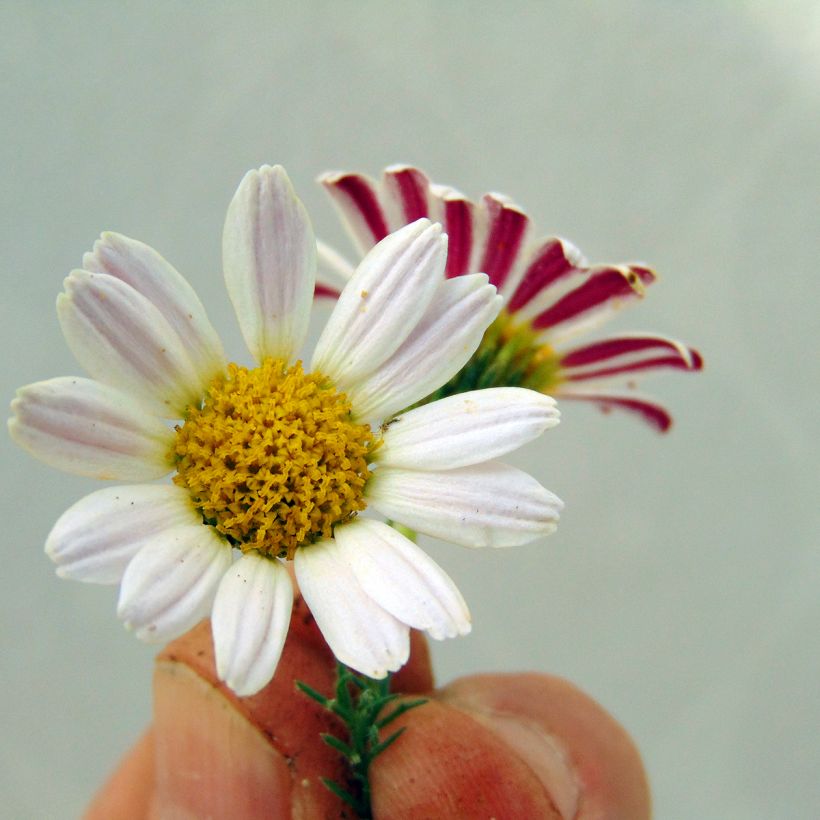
[(88, 428), (440, 345), (405, 192), (360, 633), (507, 227), (648, 410), (553, 267), (170, 583), (466, 428), (598, 298), (141, 267), (465, 225), (269, 259), (356, 197), (382, 302), (250, 619), (122, 339), (624, 355), (486, 505), (94, 539), (403, 579)]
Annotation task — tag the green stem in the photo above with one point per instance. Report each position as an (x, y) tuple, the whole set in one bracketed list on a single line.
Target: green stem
[(358, 701)]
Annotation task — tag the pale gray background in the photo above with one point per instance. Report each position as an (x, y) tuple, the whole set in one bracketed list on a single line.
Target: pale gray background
[(681, 589)]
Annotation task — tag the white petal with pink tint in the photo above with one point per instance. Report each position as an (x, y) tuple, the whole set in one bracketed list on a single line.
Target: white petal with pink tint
[(87, 428), (382, 302), (170, 584), (94, 539), (332, 262), (122, 339), (437, 348), (485, 505), (466, 428), (269, 258), (250, 620), (145, 270), (403, 579), (360, 633)]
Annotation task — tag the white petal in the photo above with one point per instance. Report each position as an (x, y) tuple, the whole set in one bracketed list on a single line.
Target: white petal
[(333, 262), (439, 346), (94, 539), (120, 338), (269, 259), (466, 428), (145, 270), (250, 620), (486, 505), (170, 584), (87, 428), (403, 579), (382, 302), (360, 633)]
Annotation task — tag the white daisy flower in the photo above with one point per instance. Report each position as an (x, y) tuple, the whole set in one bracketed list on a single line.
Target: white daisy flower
[(275, 464)]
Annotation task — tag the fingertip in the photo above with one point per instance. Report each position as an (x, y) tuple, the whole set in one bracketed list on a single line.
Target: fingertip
[(127, 793), (598, 753), (447, 765)]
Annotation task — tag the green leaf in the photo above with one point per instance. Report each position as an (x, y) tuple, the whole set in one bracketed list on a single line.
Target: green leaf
[(338, 745), (400, 710), (384, 744), (312, 693), (344, 794)]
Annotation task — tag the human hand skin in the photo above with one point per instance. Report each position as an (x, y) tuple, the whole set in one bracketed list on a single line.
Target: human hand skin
[(485, 746)]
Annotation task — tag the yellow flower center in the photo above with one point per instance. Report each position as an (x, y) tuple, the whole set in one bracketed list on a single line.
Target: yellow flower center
[(272, 458)]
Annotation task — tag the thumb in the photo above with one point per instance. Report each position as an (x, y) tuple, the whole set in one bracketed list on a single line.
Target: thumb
[(210, 753), (510, 746)]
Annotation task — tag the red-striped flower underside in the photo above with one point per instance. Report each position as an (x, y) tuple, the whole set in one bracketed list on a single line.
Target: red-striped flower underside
[(552, 294)]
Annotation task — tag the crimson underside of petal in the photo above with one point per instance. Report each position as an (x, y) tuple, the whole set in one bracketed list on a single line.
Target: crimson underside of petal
[(627, 354), (652, 413), (325, 292), (507, 227), (605, 290), (406, 191), (356, 197), (551, 261), (463, 223)]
